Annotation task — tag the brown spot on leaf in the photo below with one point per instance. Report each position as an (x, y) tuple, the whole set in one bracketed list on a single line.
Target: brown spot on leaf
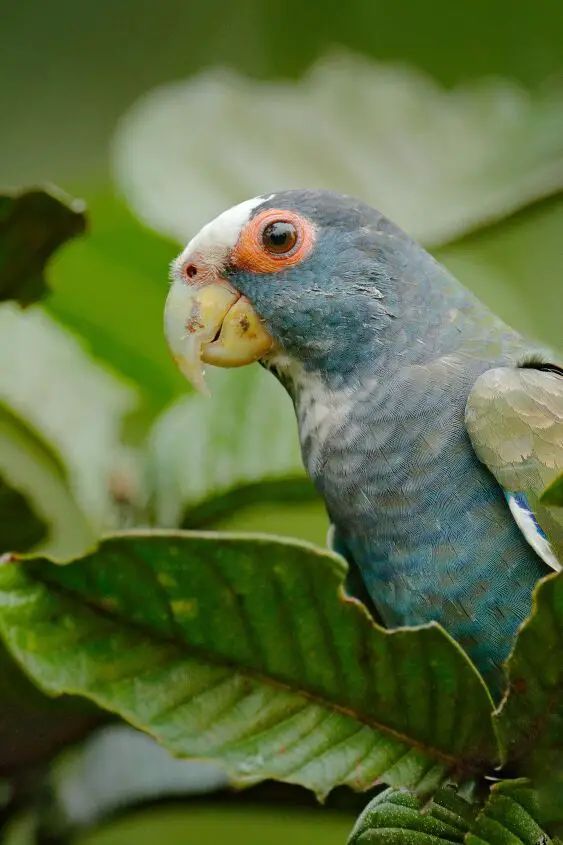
[(10, 557), (519, 685)]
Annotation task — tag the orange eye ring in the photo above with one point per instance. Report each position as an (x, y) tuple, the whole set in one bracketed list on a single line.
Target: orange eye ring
[(257, 249)]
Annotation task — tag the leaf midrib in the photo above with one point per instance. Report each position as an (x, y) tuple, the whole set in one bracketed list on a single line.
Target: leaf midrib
[(460, 764)]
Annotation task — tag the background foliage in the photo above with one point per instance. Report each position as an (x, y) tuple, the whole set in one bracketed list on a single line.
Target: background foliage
[(448, 117)]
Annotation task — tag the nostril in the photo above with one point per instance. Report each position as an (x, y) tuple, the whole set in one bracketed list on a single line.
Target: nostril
[(191, 271)]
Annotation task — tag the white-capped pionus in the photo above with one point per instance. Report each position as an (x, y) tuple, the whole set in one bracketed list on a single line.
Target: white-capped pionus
[(429, 427)]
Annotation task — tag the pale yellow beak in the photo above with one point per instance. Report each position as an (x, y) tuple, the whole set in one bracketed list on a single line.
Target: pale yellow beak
[(212, 324)]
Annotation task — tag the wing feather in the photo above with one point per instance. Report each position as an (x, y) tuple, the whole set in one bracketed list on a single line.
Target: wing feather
[(514, 417)]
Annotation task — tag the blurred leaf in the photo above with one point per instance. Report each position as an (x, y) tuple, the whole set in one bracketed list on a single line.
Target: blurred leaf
[(510, 816), (111, 287), (554, 493), (437, 162), (33, 224), (514, 266), (76, 406), (209, 454), (20, 830), (219, 824), (453, 43), (33, 726), (242, 650), (20, 527), (32, 468), (530, 719), (119, 766), (402, 818), (297, 519), (227, 505)]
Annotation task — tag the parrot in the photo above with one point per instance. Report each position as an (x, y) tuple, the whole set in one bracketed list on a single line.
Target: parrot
[(428, 426)]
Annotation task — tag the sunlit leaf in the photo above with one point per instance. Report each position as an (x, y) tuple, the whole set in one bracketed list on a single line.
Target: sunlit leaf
[(242, 650), (33, 224), (438, 162)]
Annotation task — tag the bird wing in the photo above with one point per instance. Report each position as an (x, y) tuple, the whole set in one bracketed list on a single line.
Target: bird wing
[(514, 417)]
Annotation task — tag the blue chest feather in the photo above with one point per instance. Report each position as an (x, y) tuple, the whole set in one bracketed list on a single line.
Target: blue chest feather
[(423, 520)]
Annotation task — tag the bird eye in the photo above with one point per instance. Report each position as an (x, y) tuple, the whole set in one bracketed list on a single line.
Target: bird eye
[(279, 237)]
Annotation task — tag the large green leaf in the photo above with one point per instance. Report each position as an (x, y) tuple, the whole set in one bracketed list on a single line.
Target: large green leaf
[(30, 467), (33, 224), (530, 719), (243, 650)]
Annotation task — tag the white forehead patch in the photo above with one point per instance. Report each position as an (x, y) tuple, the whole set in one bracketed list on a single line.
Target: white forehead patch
[(218, 238)]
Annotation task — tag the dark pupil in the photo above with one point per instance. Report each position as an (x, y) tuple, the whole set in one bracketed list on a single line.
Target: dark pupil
[(279, 236)]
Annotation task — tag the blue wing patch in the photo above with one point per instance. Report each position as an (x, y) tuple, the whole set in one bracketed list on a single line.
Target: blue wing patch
[(531, 529)]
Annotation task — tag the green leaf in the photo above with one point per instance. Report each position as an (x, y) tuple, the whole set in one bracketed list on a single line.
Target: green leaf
[(402, 818), (31, 467), (21, 830), (219, 824), (510, 817), (227, 505), (34, 726), (33, 224), (366, 128), (202, 451), (553, 495), (111, 288), (20, 527), (243, 650), (514, 266), (117, 767), (530, 719), (78, 407)]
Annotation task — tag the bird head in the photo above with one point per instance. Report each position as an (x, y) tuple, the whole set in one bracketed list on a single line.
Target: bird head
[(297, 276)]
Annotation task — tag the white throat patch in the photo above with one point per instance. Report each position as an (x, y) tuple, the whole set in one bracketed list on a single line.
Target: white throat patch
[(218, 237)]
